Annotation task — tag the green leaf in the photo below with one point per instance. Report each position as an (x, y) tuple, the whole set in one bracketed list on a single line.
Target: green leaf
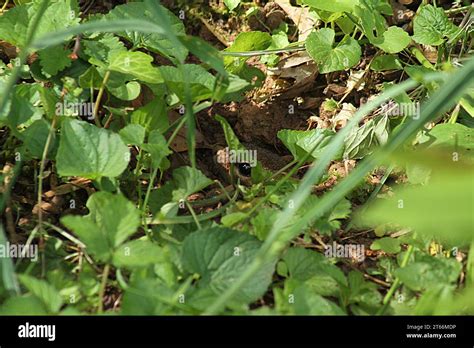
[(152, 116), (447, 197), (133, 134), (111, 220), (431, 26), (207, 53), (160, 43), (200, 81), (90, 152), (137, 253), (35, 137), (232, 4), (451, 138), (54, 59), (363, 140), (307, 302), (23, 305), (393, 40), (220, 255), (157, 147), (246, 41), (137, 64), (303, 264), (386, 62), (387, 244), (330, 222), (15, 23), (100, 50), (119, 84), (332, 5), (428, 271), (7, 270), (230, 138), (187, 181), (46, 293), (320, 46), (302, 142)]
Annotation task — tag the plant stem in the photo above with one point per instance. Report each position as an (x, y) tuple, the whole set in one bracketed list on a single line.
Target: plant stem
[(41, 170), (396, 283), (103, 284), (193, 215), (99, 98)]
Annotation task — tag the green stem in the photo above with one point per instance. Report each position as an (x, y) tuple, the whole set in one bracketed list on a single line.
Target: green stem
[(193, 215), (396, 283), (99, 98), (103, 284), (41, 170)]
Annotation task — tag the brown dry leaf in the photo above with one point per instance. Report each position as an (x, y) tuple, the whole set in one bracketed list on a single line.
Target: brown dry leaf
[(9, 50), (340, 120), (300, 16), (430, 53)]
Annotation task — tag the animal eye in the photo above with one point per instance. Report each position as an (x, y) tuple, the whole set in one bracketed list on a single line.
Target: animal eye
[(244, 169)]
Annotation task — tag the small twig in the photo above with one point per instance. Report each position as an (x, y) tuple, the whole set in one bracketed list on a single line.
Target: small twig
[(4, 6)]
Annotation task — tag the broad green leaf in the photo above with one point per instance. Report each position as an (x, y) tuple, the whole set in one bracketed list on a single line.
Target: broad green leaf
[(133, 134), (157, 147), (54, 59), (111, 220), (220, 255), (152, 116), (320, 46), (187, 181), (329, 222), (232, 4), (431, 26), (246, 41), (23, 305), (332, 5), (303, 264), (90, 79), (35, 137), (429, 271), (101, 49), (387, 244), (250, 41), (393, 40), (386, 62), (200, 81), (448, 197), (15, 23), (307, 302), (137, 253), (137, 64), (148, 296), (126, 91), (301, 142), (363, 140), (160, 43), (456, 139), (90, 152), (46, 293)]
